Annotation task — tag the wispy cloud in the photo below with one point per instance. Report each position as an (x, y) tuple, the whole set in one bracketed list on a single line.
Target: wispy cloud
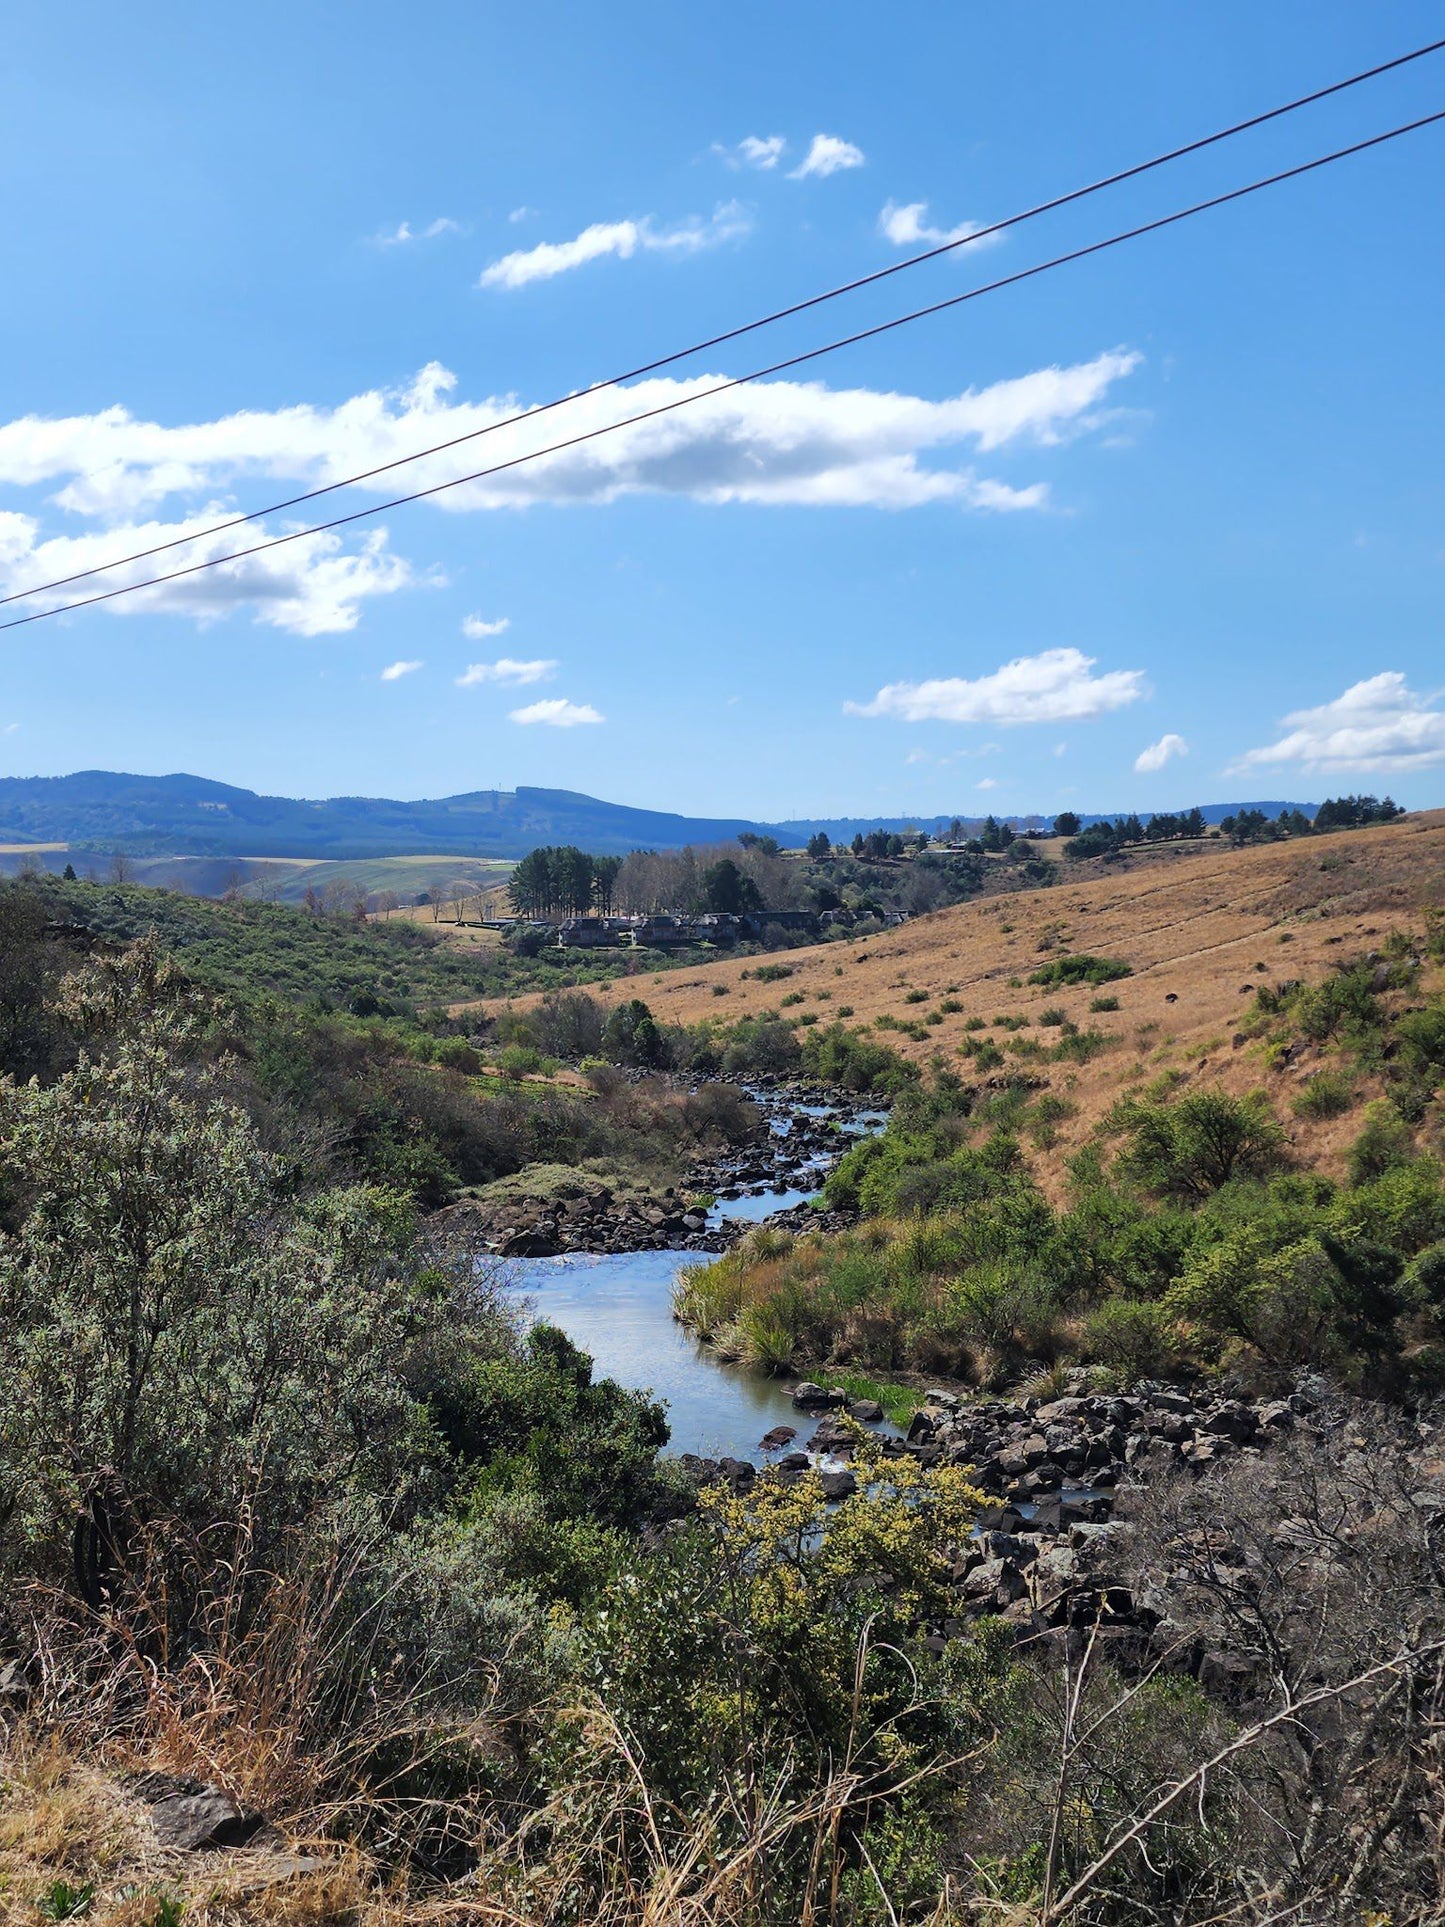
[(1057, 685), (909, 227), (729, 221), (508, 671), (557, 713), (400, 236), (521, 214), (394, 671), (986, 783), (1158, 754), (477, 629), (753, 151), (1378, 726), (827, 155)]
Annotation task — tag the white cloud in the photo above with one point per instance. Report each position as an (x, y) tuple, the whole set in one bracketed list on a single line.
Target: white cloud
[(827, 155), (521, 214), (774, 443), (394, 671), (507, 670), (986, 783), (1055, 686), (753, 151), (311, 587), (1380, 725), (729, 221), (1158, 754), (10, 728), (477, 629), (557, 712), (401, 235), (908, 227), (779, 441)]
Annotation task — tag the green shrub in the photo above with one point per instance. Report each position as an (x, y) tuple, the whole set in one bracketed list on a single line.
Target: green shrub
[(1081, 968), (1193, 1145), (1324, 1095), (1134, 1338), (1383, 1143), (1101, 1004)]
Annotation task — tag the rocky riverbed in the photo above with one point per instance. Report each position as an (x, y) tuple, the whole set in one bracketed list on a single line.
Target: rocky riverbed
[(1067, 1483), (551, 1211)]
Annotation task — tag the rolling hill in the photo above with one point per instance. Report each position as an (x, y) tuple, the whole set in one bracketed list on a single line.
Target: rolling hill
[(1198, 933), (183, 815)]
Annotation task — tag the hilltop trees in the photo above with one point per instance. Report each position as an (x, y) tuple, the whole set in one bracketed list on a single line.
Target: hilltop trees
[(1355, 812), (561, 880), (727, 891)]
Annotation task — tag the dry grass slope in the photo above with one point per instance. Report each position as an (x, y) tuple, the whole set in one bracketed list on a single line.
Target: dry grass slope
[(1198, 932)]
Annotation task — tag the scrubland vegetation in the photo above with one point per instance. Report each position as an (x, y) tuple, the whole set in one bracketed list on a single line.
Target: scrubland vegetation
[(291, 1500), (1194, 1232)]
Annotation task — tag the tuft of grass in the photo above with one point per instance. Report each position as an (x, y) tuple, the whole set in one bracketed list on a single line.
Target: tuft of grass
[(1099, 1004), (62, 1901), (899, 1402), (1327, 1094)]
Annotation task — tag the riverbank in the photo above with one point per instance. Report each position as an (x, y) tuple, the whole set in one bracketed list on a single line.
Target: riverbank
[(551, 1210)]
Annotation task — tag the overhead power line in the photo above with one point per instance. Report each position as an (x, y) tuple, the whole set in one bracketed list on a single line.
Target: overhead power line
[(740, 381), (747, 327)]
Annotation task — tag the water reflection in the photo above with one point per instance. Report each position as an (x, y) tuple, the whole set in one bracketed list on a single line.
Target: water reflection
[(619, 1308)]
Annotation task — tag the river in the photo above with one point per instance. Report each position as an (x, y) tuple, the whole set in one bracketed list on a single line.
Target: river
[(618, 1308)]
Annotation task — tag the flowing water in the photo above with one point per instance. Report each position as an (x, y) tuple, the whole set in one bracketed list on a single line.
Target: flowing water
[(618, 1308)]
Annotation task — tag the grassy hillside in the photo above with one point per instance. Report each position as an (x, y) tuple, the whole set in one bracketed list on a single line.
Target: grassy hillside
[(1198, 935)]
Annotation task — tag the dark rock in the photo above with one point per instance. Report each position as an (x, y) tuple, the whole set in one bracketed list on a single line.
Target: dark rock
[(838, 1485), (866, 1410), (16, 1687), (810, 1397), (194, 1816), (780, 1436)]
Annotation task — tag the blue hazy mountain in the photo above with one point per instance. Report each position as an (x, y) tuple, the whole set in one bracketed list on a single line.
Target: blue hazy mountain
[(190, 815)]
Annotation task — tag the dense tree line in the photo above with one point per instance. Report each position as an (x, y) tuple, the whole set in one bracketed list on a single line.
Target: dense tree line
[(561, 880)]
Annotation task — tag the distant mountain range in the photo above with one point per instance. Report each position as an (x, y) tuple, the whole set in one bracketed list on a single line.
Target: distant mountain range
[(189, 815)]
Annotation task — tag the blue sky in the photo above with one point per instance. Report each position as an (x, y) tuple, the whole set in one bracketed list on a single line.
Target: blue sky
[(1180, 506)]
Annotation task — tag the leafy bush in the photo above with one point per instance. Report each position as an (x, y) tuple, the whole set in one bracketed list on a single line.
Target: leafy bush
[(1382, 1144), (1081, 968), (1136, 1339), (1324, 1095), (1196, 1143)]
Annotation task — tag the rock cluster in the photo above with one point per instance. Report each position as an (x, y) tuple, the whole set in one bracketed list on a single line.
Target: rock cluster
[(1047, 1553), (595, 1219), (1024, 1449), (794, 1154)]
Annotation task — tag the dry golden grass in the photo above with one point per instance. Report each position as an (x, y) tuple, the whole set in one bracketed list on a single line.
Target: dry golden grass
[(1199, 929)]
